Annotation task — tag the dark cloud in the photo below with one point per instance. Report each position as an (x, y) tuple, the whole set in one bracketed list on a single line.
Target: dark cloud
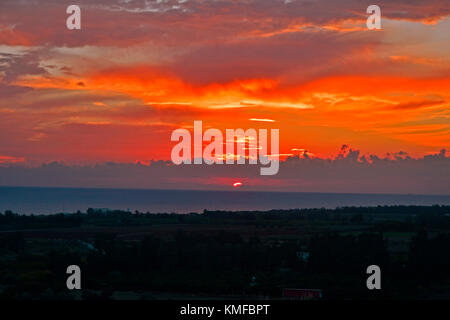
[(12, 66), (418, 104), (352, 173), (124, 23), (8, 91), (259, 58)]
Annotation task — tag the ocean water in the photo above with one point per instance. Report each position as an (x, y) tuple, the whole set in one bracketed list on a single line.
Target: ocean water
[(27, 200)]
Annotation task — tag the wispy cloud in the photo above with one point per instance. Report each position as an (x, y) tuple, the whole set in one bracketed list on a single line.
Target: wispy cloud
[(261, 120)]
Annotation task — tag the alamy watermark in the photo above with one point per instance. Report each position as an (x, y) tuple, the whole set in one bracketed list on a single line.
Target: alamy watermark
[(250, 140), (374, 280), (374, 20), (73, 22), (74, 280)]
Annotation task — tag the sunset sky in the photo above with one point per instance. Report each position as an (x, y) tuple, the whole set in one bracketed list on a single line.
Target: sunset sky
[(137, 70)]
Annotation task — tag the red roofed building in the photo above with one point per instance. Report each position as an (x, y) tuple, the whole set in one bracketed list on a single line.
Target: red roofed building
[(302, 294)]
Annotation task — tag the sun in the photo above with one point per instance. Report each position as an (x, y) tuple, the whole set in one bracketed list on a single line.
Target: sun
[(237, 184)]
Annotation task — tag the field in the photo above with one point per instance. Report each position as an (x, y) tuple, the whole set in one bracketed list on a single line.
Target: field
[(225, 255)]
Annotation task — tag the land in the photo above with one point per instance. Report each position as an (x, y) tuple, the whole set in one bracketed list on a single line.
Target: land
[(227, 255)]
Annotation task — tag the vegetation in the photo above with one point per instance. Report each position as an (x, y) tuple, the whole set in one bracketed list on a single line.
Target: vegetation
[(227, 254)]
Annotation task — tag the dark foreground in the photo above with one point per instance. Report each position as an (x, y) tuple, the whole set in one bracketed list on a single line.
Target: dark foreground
[(229, 255)]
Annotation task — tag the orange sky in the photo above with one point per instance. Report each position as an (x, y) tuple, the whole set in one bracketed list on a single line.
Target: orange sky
[(115, 90)]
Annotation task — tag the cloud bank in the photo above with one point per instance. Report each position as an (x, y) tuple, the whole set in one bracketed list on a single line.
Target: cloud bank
[(348, 172)]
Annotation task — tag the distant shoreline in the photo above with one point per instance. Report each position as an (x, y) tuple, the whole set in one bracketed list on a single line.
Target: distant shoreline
[(46, 200), (231, 191)]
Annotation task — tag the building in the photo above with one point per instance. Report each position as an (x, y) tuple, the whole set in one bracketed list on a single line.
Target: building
[(302, 294)]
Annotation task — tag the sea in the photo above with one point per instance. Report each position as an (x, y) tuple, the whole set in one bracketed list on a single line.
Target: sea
[(36, 200)]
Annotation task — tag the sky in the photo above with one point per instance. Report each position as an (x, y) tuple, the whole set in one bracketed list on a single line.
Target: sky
[(114, 91)]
